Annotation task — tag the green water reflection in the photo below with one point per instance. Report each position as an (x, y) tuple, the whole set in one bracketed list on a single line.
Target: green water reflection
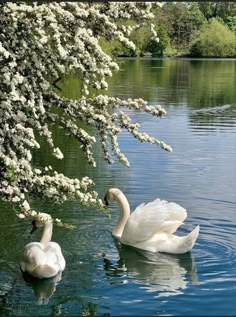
[(195, 83)]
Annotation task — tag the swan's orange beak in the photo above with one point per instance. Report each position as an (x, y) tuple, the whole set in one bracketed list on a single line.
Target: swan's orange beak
[(34, 227)]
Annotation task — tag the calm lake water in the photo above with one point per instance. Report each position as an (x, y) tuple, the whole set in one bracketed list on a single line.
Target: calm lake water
[(105, 278)]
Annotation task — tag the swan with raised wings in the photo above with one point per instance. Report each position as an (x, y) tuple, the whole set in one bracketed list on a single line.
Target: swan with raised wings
[(43, 259), (151, 226)]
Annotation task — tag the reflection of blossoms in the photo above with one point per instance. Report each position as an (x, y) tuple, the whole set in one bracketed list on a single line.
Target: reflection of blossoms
[(39, 43)]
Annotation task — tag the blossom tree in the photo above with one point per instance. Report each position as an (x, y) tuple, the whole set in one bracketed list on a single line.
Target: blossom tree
[(39, 44)]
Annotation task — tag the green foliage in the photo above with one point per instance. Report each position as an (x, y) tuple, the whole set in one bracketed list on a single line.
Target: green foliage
[(217, 9), (141, 38), (231, 22), (214, 40), (12, 175), (115, 48), (158, 48), (170, 51), (182, 20), (179, 26)]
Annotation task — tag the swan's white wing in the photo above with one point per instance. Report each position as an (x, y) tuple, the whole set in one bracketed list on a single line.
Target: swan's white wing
[(54, 255), (34, 254), (147, 220), (47, 260)]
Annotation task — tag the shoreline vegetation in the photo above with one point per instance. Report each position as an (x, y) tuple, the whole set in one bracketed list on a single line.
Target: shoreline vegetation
[(185, 29)]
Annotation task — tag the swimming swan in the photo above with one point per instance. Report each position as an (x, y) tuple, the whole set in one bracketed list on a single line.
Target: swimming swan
[(43, 259), (150, 227)]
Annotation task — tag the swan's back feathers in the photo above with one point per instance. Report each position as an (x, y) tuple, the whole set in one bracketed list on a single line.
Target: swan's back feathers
[(151, 218), (34, 254), (42, 262)]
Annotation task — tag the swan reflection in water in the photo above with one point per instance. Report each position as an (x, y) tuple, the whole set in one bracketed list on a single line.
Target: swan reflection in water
[(156, 272), (43, 288)]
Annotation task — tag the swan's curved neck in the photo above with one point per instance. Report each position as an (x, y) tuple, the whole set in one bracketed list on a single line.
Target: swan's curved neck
[(47, 234), (124, 213)]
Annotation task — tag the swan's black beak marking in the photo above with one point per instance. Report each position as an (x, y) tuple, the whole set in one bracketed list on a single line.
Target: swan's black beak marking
[(105, 200), (34, 227)]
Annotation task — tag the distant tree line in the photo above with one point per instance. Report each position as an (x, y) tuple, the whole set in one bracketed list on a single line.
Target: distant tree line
[(199, 29)]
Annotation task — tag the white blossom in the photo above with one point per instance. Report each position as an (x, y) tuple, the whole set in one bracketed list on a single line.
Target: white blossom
[(58, 154), (21, 216), (39, 44), (16, 199), (26, 205), (33, 213)]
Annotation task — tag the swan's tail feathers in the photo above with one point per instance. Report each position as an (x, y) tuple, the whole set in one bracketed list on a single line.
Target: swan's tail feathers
[(44, 271), (192, 237)]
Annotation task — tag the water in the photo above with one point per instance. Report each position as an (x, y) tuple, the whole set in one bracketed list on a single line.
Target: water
[(105, 278)]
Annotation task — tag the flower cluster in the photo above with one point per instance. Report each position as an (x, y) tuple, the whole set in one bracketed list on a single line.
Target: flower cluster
[(43, 218), (39, 44)]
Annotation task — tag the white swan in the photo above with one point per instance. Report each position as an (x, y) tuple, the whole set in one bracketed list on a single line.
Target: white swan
[(43, 259), (150, 227)]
